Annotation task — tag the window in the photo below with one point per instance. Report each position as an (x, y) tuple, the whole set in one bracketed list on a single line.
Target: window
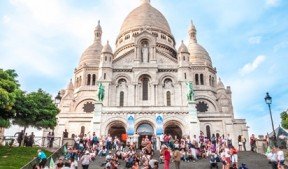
[(168, 98), (185, 76), (83, 130), (104, 76), (105, 58), (88, 79), (208, 132), (201, 79), (145, 88), (197, 79), (213, 82), (184, 58), (121, 99), (210, 80), (80, 81), (93, 79)]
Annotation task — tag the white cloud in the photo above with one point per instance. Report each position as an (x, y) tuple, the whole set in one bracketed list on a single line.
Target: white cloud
[(33, 38), (6, 19), (250, 67), (272, 2), (255, 40)]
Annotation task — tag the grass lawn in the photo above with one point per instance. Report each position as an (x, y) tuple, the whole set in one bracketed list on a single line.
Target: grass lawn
[(17, 157)]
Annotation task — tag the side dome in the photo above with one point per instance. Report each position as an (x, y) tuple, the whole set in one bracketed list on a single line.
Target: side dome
[(198, 54), (91, 56), (183, 48), (145, 16)]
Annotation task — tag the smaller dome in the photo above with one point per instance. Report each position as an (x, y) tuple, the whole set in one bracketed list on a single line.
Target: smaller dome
[(91, 56), (107, 48), (183, 48), (198, 54), (220, 84)]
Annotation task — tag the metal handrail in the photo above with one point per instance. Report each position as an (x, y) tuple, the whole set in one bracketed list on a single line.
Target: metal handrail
[(38, 141), (58, 153)]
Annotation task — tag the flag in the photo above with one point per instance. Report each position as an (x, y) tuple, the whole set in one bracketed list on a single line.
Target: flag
[(52, 164), (64, 150)]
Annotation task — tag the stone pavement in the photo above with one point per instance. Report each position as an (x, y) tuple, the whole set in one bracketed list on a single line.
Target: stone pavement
[(253, 161)]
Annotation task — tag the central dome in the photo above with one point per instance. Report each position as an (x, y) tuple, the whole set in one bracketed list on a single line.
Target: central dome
[(145, 16)]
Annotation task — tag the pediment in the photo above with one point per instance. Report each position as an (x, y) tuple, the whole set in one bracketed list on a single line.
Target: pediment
[(125, 60)]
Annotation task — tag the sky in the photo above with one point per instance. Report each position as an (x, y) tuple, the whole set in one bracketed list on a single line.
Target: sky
[(247, 41)]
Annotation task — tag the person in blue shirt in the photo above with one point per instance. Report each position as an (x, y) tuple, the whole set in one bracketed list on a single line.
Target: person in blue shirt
[(42, 157)]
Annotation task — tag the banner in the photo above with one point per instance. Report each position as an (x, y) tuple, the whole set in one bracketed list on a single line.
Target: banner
[(130, 127), (159, 124)]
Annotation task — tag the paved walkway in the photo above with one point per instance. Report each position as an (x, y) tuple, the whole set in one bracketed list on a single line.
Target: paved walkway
[(253, 161)]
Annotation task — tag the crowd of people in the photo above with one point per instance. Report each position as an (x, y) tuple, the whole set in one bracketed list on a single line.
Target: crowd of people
[(135, 153), (140, 152)]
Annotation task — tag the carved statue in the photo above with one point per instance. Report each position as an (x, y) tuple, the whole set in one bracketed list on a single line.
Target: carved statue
[(145, 54), (101, 92), (190, 94)]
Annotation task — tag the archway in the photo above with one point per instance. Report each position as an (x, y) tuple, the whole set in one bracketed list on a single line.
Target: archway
[(173, 128), (117, 128), (143, 130)]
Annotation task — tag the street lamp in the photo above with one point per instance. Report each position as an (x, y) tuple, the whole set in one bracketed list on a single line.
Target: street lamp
[(58, 99), (268, 100)]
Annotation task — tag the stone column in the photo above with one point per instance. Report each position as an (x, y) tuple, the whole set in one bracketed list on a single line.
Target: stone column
[(194, 124), (96, 121)]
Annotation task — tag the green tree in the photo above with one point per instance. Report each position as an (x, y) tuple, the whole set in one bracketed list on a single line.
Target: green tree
[(284, 119), (35, 109), (9, 89)]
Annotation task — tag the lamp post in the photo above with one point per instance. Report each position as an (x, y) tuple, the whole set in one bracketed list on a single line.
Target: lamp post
[(268, 100), (58, 99)]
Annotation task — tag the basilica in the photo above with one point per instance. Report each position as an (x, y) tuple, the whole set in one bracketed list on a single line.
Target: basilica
[(145, 82)]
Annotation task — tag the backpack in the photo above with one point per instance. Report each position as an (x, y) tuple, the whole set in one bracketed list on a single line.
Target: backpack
[(95, 140)]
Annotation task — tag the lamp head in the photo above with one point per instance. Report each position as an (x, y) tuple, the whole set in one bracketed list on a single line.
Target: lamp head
[(268, 99)]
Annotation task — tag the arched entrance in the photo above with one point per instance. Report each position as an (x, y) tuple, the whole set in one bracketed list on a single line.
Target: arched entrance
[(173, 128), (117, 128), (143, 130)]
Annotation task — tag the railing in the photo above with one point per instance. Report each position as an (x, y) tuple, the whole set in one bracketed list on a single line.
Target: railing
[(60, 152), (38, 141)]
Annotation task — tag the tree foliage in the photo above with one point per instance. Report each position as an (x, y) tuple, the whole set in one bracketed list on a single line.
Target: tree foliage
[(284, 119), (9, 89), (36, 109)]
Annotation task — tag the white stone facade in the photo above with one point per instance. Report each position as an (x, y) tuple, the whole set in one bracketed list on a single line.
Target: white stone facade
[(146, 76)]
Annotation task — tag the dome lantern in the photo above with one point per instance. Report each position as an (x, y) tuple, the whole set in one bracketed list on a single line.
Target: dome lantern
[(98, 32), (192, 33)]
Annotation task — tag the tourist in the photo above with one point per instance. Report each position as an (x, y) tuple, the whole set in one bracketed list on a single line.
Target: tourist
[(52, 137), (42, 159), (85, 160), (167, 157), (234, 156), (243, 166), (253, 143), (213, 161), (135, 165), (280, 158), (65, 134), (19, 137), (26, 140), (31, 139), (154, 141), (240, 143), (177, 158), (73, 163), (273, 158), (243, 139)]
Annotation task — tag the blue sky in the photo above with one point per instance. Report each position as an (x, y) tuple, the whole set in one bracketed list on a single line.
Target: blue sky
[(247, 41)]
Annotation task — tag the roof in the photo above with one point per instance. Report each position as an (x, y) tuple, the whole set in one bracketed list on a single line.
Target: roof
[(145, 16)]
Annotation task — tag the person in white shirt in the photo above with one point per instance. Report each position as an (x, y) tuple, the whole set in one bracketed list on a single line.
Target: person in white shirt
[(280, 158)]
